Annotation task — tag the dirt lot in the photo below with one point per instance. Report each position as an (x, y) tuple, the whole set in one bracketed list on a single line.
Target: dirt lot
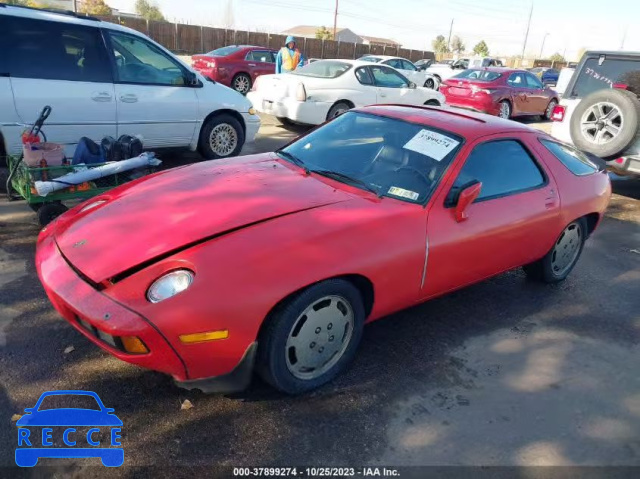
[(506, 372)]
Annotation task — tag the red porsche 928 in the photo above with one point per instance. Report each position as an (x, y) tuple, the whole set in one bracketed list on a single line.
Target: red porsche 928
[(274, 262)]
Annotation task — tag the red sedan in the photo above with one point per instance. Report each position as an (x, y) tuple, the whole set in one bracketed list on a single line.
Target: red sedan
[(236, 66), (274, 262), (504, 92)]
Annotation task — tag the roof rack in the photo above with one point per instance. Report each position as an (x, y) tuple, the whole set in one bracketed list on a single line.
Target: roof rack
[(53, 10)]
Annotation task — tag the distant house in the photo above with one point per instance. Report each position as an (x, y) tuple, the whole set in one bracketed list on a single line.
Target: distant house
[(342, 35)]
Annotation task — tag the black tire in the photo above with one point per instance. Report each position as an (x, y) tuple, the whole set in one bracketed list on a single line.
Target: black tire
[(629, 106), (549, 111), (338, 109), (204, 144), (430, 83), (49, 212), (508, 116), (543, 270), (241, 83), (271, 361), (432, 103)]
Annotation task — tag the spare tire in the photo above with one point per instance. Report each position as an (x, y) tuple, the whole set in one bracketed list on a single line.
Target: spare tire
[(606, 122)]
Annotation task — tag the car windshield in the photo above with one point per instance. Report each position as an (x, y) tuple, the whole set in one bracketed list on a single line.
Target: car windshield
[(64, 401), (370, 59), (536, 70), (479, 75), (602, 72), (224, 51), (323, 69), (390, 157)]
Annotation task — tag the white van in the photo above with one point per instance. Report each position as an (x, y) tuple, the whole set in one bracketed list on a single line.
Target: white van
[(105, 79)]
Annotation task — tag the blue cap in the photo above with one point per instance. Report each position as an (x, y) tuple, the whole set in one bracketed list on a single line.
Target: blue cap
[(290, 39)]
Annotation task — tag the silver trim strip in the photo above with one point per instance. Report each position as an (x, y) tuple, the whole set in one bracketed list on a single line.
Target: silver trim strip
[(426, 258)]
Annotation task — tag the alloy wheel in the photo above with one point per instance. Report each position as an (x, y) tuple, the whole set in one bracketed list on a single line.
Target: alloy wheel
[(223, 139), (505, 110), (319, 337), (241, 84), (601, 123)]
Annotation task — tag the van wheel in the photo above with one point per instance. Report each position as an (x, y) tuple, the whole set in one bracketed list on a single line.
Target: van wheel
[(221, 136)]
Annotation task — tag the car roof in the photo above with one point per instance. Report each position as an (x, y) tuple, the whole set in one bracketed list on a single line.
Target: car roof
[(383, 57), (467, 124), (355, 63), (62, 16)]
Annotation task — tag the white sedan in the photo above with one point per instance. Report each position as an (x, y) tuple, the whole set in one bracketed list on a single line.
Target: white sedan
[(408, 69), (325, 89)]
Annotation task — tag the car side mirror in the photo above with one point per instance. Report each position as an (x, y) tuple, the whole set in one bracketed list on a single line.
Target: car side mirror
[(412, 85), (467, 196), (191, 79)]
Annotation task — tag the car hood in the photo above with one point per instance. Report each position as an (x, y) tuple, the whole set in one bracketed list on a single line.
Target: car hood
[(173, 210), (69, 417)]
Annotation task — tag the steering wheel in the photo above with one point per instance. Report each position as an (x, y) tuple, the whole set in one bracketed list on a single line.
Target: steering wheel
[(416, 172), (140, 71)]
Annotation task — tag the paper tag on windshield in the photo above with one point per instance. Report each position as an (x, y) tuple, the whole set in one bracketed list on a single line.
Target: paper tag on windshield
[(431, 144), (395, 191)]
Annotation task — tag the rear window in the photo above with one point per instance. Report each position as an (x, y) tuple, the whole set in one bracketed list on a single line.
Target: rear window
[(575, 161), (323, 69), (224, 51), (597, 73), (480, 75)]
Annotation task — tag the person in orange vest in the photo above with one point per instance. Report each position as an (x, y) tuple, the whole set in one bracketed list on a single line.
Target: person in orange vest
[(289, 57)]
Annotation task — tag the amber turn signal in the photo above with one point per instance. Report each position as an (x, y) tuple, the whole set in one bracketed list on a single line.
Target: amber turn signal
[(202, 337), (133, 345)]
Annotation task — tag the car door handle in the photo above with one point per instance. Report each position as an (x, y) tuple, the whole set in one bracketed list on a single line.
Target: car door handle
[(129, 98), (101, 96), (382, 94), (252, 64)]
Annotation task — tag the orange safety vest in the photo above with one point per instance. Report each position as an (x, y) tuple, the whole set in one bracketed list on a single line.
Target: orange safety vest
[(289, 62)]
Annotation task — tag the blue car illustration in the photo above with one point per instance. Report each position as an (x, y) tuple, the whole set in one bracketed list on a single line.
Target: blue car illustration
[(36, 443)]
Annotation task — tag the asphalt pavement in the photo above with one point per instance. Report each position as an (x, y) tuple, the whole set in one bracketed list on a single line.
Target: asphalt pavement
[(505, 372)]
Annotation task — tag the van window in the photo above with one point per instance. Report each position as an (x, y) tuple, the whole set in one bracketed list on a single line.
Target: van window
[(55, 51), (596, 75)]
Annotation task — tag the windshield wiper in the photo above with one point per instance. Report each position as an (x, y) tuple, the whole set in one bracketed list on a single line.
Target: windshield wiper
[(293, 159), (336, 175)]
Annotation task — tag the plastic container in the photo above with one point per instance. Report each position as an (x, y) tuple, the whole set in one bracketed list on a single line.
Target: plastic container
[(35, 153)]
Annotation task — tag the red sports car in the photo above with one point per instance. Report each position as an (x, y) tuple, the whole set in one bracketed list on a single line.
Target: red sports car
[(274, 262), (236, 66), (504, 92)]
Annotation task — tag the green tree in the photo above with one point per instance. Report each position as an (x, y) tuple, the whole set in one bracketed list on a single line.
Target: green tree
[(456, 44), (481, 49), (556, 57), (95, 7), (147, 10), (440, 44), (323, 33)]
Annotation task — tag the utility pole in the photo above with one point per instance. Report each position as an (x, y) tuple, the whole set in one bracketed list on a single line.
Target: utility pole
[(526, 35), (624, 37), (335, 21), (450, 30), (542, 47), (75, 6)]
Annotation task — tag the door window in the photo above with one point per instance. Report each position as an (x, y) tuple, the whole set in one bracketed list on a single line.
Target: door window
[(138, 61), (56, 51), (407, 65), (533, 82), (517, 80), (260, 56), (503, 167), (394, 62), (575, 161), (363, 76), (388, 78)]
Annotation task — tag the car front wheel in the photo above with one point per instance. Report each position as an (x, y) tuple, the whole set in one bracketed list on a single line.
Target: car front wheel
[(221, 136), (312, 337)]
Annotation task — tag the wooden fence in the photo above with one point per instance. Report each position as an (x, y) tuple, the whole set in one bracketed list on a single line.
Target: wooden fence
[(192, 39)]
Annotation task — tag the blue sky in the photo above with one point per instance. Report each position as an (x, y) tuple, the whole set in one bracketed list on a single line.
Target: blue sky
[(570, 24)]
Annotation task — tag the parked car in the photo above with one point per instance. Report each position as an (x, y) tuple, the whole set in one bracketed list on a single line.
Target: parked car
[(422, 65), (325, 89), (408, 69), (447, 69), (600, 111), (293, 252), (236, 66), (481, 62), (103, 79), (497, 91), (548, 76)]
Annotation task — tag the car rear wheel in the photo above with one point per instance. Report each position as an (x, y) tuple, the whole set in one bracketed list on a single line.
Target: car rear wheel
[(556, 265), (505, 110), (606, 122), (222, 136), (430, 83), (549, 111), (241, 83), (338, 109), (432, 103), (312, 337)]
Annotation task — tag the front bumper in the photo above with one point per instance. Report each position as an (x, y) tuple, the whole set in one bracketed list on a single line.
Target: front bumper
[(308, 112), (252, 125)]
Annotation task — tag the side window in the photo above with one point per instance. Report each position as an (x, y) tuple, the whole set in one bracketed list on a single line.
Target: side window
[(575, 161), (56, 51), (363, 76), (139, 61), (533, 82), (517, 80), (388, 78), (407, 65), (503, 167), (394, 63)]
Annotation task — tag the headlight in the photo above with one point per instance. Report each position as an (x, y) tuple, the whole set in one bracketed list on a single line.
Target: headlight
[(169, 285), (252, 111)]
